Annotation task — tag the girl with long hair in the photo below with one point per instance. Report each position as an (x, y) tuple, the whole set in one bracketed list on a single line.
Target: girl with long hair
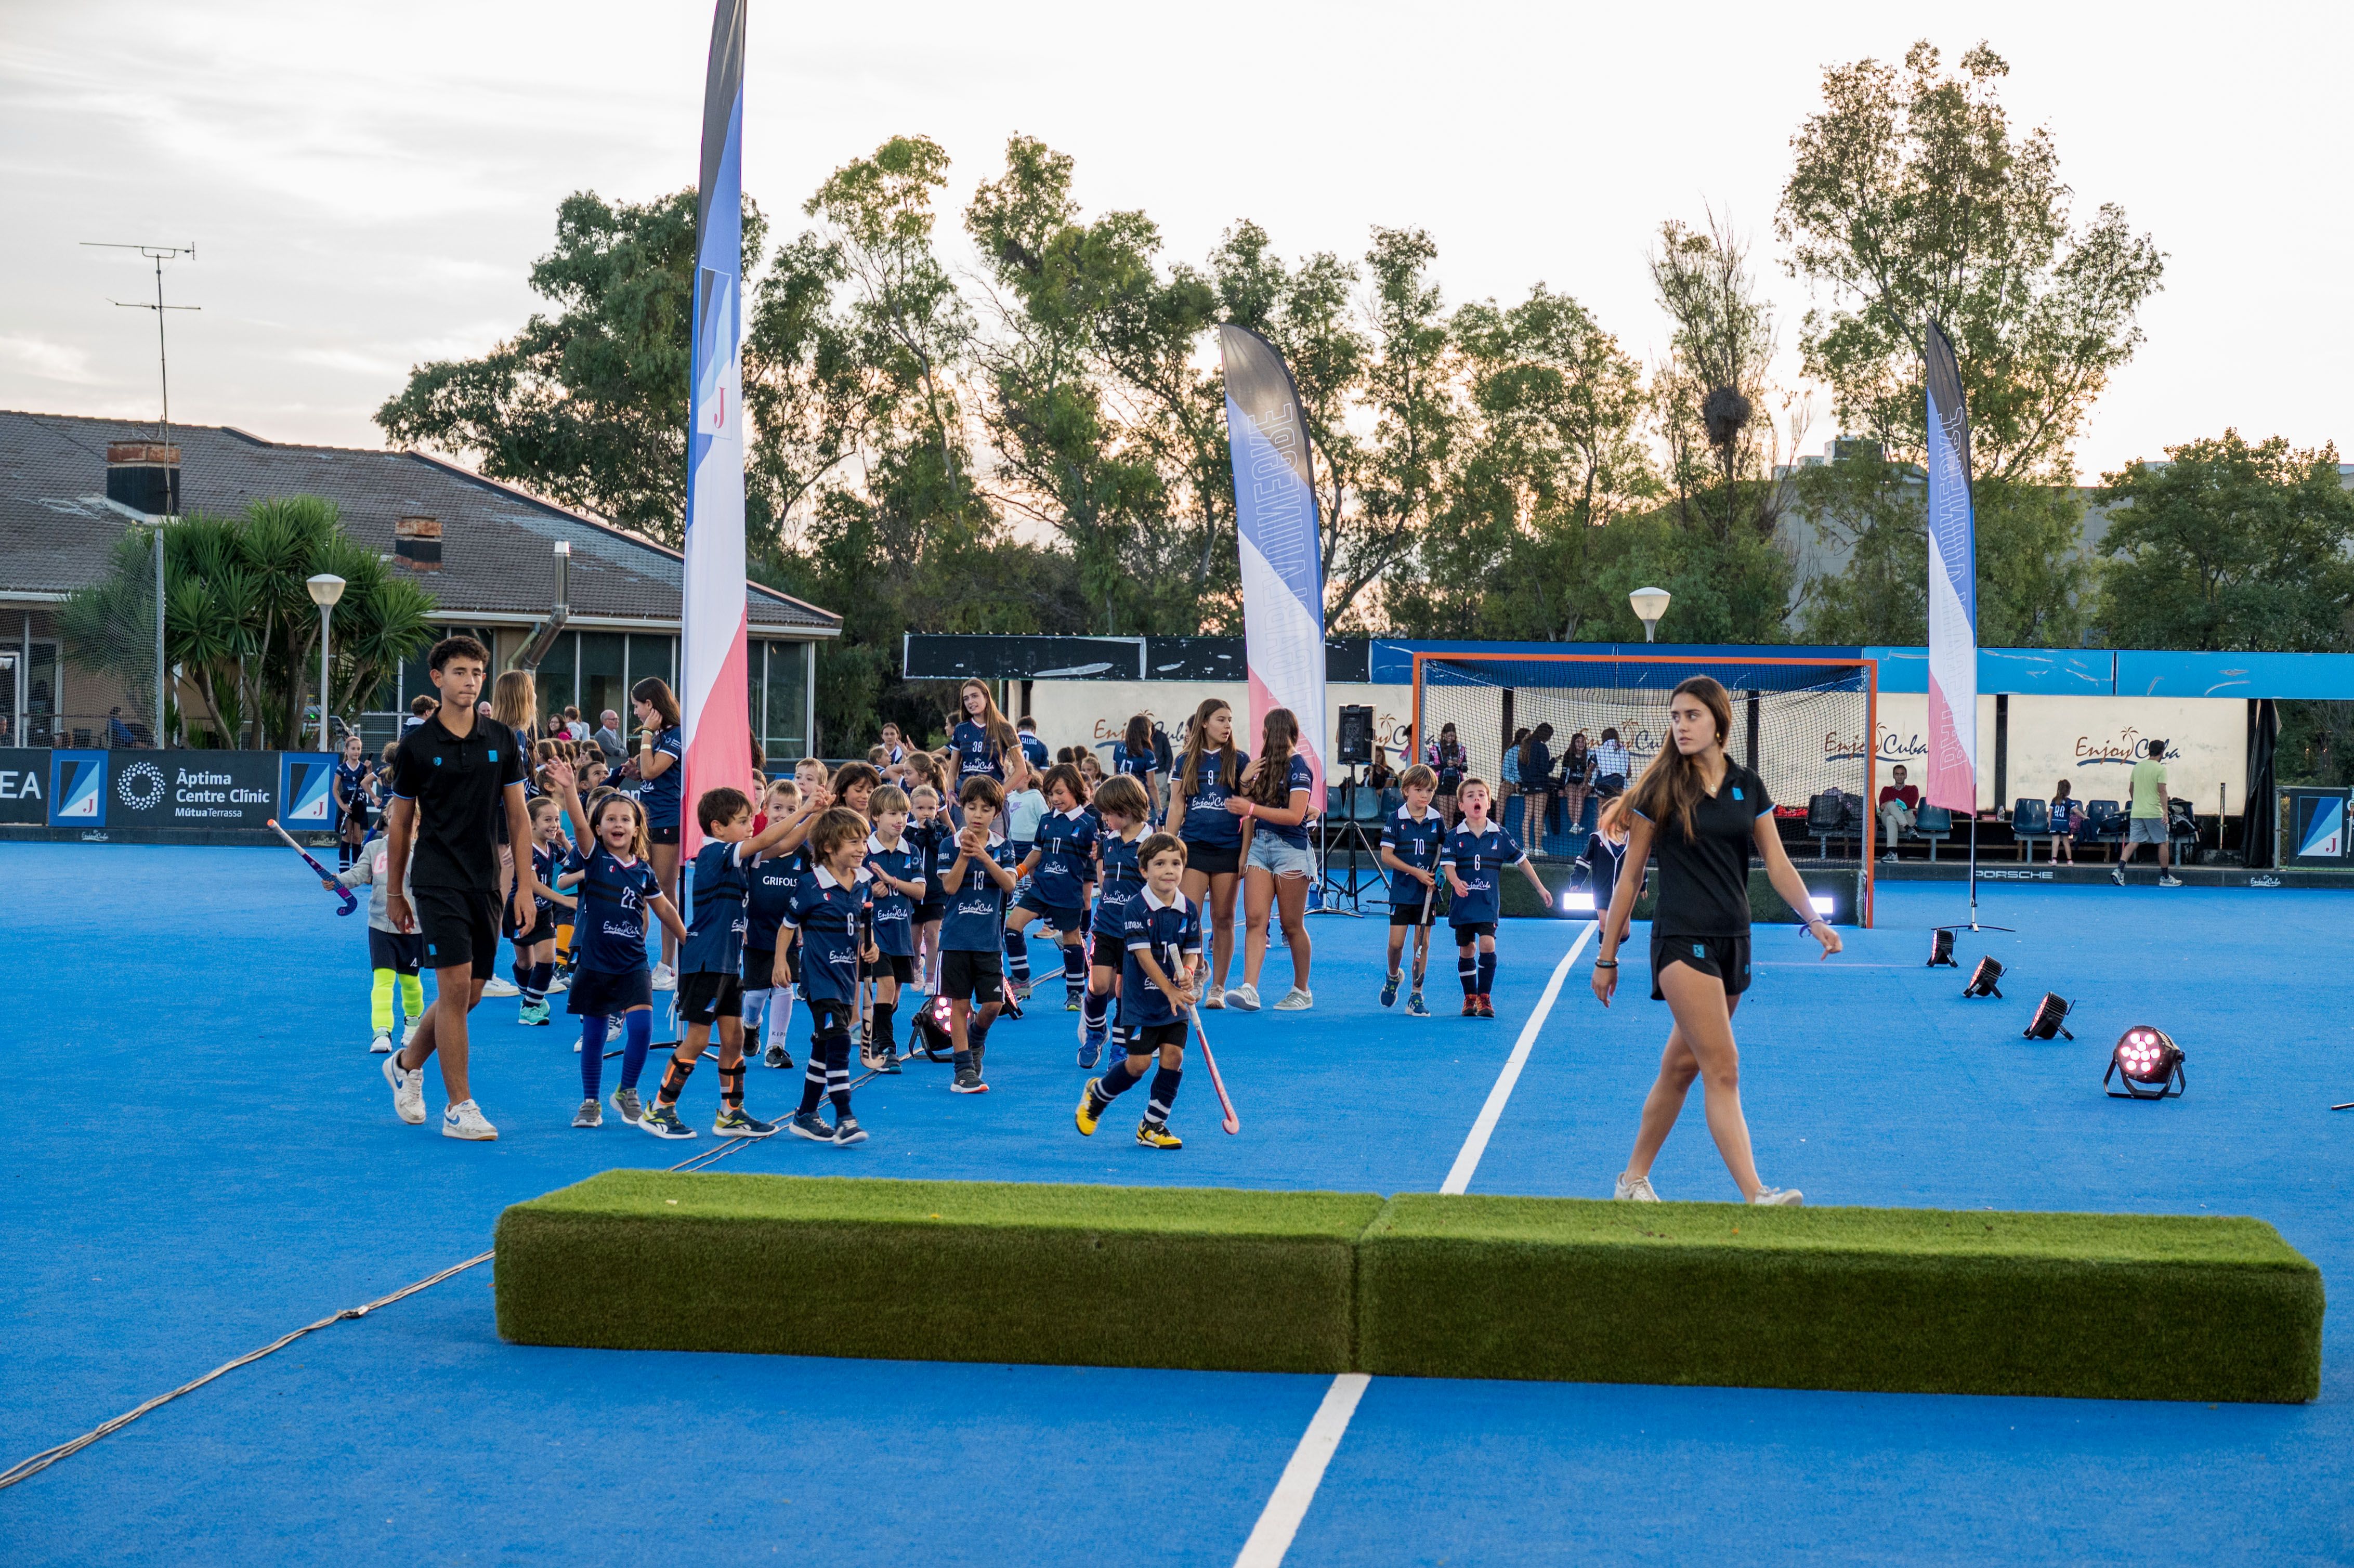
[(1576, 769), (984, 738), (1136, 757), (1536, 786), (661, 746), (1277, 867), (1447, 757), (1699, 813), (1207, 774)]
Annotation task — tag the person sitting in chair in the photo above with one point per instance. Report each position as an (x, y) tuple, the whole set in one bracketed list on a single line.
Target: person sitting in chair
[(1899, 804)]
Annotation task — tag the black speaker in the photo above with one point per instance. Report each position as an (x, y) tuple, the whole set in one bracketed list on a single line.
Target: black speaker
[(1356, 737)]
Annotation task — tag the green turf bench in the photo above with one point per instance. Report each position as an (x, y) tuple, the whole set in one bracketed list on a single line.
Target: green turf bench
[(1917, 1300), (1914, 1301), (937, 1270)]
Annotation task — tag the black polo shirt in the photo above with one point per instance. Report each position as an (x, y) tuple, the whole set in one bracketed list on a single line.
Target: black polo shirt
[(1704, 880), (459, 786)]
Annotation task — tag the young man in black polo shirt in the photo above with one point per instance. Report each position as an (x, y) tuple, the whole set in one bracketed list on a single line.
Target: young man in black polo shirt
[(451, 777)]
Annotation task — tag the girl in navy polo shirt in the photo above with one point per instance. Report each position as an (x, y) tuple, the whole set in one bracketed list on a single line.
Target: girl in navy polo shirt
[(1123, 809), (661, 745), (1476, 851), (985, 744), (1274, 807), (902, 873), (1208, 773)]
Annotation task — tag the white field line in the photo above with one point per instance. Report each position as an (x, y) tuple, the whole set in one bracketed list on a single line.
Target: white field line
[(1280, 1521), (1458, 1178)]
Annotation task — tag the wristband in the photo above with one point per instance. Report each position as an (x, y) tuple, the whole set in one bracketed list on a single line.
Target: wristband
[(1606, 963)]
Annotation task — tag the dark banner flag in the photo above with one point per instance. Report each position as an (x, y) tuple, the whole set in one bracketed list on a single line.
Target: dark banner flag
[(1275, 523), (1952, 780)]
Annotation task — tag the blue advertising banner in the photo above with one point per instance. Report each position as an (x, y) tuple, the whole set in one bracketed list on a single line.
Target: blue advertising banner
[(306, 795), (78, 789), (24, 786)]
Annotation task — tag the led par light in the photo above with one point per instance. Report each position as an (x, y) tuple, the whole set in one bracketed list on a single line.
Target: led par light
[(2147, 1063), (1941, 948), (2051, 1018), (1578, 901), (1982, 977)]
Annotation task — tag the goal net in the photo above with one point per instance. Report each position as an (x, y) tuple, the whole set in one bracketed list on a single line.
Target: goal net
[(1805, 725)]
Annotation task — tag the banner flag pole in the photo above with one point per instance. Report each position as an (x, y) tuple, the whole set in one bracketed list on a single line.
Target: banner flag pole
[(1953, 781)]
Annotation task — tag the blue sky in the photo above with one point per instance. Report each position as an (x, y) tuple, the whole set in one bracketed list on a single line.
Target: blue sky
[(366, 185)]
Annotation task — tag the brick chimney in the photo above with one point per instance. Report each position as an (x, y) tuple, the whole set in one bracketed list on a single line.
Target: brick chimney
[(416, 543), (144, 476)]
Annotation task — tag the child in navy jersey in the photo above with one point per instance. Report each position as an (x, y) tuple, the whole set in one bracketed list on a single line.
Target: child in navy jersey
[(535, 950), (1163, 936), (1061, 870), (610, 875), (1206, 776), (976, 872), (1122, 811), (985, 744), (833, 915), (901, 876), (767, 971), (1477, 853), (710, 989), (1411, 843), (927, 829)]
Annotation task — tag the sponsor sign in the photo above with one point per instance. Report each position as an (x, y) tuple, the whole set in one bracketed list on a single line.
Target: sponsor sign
[(78, 789), (24, 786), (2313, 828), (306, 791)]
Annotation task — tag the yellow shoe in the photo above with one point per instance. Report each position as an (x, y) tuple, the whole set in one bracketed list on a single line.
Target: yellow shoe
[(1091, 1108), (1154, 1137)]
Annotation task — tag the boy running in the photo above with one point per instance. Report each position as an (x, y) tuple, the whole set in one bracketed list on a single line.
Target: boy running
[(1164, 941), (1057, 872), (1411, 841), (1476, 851)]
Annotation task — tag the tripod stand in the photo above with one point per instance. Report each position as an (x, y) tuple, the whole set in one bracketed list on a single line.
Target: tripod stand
[(1352, 837)]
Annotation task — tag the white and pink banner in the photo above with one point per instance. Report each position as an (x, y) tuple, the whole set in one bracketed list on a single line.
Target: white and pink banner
[(718, 741), (1951, 762), (1275, 529)]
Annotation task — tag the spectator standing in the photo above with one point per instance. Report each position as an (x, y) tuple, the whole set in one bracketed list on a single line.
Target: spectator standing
[(608, 737), (1900, 807)]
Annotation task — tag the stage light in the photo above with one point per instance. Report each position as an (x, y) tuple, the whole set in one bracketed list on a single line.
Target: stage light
[(2051, 1018), (1577, 901), (1822, 903), (2147, 1064), (1983, 978), (1941, 948)]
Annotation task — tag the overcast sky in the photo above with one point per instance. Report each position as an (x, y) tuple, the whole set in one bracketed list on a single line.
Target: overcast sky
[(366, 185)]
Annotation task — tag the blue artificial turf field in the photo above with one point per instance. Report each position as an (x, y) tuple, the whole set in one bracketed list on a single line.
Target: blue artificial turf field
[(204, 1158)]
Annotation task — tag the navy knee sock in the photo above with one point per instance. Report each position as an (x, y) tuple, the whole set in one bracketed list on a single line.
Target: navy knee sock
[(1074, 965), (540, 975), (1164, 1095), (1487, 972), (837, 1072), (637, 1033), (1117, 1079), (1017, 955), (1095, 1010), (592, 1055), (1467, 969)]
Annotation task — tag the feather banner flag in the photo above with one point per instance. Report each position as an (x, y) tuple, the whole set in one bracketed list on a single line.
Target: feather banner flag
[(718, 741), (1276, 531), (1953, 591)]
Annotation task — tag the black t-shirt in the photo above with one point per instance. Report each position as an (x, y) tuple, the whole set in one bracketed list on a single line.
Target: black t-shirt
[(1705, 881), (459, 786)]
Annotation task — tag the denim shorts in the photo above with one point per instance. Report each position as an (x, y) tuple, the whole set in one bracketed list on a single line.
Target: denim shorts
[(1271, 853)]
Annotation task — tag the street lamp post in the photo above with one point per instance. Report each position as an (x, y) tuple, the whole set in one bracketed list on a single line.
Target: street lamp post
[(1649, 604), (325, 589)]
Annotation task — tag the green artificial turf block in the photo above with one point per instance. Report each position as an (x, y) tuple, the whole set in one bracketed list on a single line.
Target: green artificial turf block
[(1913, 1300), (937, 1270)]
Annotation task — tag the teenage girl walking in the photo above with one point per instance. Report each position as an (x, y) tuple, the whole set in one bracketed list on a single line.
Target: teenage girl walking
[(1699, 813)]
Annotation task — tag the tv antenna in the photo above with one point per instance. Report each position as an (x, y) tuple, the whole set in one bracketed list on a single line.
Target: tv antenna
[(158, 254)]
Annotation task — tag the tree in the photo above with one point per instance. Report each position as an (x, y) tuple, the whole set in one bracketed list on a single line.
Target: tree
[(1714, 385), (589, 408), (805, 397), (2229, 546), (1911, 201)]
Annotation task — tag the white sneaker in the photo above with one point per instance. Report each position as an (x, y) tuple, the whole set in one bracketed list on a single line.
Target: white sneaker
[(1635, 1191), (665, 979), (1214, 999), (557, 984), (2117, 874), (409, 1033), (1299, 999), (2169, 880), (464, 1120), (1242, 998), (500, 986), (382, 1044), (1779, 1198), (408, 1091)]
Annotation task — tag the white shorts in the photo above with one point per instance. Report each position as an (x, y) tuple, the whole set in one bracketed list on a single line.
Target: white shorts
[(1273, 855)]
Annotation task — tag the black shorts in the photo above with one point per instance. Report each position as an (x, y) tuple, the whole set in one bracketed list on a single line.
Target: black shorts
[(1471, 931), (668, 835), (971, 976), (900, 967), (1414, 913), (708, 996), (1726, 958), (596, 991), (544, 930), (929, 914), (461, 927), (403, 952), (1065, 918), (1146, 1038), (1214, 859), (832, 1017), (760, 968)]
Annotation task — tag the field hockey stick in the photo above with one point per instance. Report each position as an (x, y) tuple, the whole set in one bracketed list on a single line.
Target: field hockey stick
[(341, 892), (1233, 1123)]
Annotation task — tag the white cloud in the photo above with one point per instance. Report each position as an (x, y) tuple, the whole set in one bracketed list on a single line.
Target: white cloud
[(45, 361)]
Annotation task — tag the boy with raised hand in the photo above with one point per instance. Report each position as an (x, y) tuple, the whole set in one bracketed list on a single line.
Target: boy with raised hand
[(897, 867), (976, 870), (1411, 841), (832, 912), (1157, 994)]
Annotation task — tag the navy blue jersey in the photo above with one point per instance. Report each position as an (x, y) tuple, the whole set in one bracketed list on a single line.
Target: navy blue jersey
[(544, 860), (1035, 751), (925, 839), (769, 893), (1479, 859), (659, 796), (1207, 820), (976, 753), (1138, 765), (1119, 880), (351, 784), (829, 916), (975, 920), (895, 913), (714, 939), (1066, 851), (1168, 932), (610, 930), (1300, 777), (1417, 844)]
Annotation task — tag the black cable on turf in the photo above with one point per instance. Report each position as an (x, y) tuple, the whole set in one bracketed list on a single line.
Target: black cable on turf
[(33, 1465)]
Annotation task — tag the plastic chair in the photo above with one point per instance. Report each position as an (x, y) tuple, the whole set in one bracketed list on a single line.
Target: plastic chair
[(1932, 825), (1826, 819), (2104, 823), (2030, 823)]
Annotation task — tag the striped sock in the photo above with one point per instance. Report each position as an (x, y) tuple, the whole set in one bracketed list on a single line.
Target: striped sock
[(1467, 969), (1164, 1095)]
